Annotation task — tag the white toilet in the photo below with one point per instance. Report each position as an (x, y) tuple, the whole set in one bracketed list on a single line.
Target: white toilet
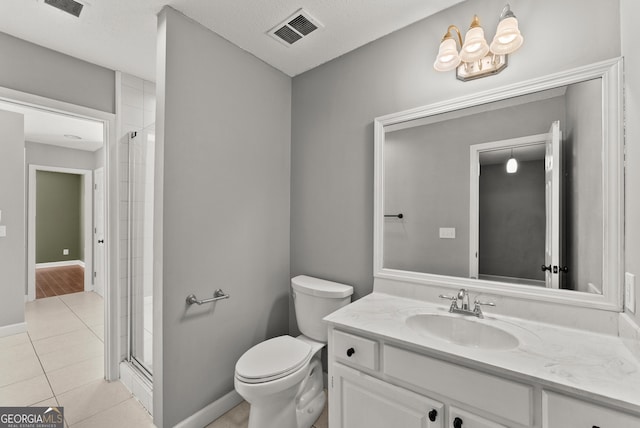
[(282, 377)]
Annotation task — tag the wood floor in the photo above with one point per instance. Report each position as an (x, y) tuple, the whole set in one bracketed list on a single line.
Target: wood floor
[(56, 281)]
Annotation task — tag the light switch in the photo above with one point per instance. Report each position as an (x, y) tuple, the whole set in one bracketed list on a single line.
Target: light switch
[(447, 233), (3, 231)]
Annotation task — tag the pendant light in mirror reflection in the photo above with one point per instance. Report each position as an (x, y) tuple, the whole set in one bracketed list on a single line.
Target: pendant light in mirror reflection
[(476, 57), (512, 164)]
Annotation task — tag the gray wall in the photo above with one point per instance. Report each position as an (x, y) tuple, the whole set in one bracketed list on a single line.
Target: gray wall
[(37, 70), (427, 179), (583, 161), (222, 209), (630, 10), (512, 221), (59, 219), (12, 254), (334, 106)]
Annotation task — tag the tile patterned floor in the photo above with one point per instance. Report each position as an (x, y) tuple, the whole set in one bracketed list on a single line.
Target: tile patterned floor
[(59, 361), (238, 417)]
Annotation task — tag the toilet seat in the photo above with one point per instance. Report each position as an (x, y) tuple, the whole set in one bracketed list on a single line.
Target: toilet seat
[(273, 359)]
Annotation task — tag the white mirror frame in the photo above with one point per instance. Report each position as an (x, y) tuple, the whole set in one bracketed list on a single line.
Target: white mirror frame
[(610, 72)]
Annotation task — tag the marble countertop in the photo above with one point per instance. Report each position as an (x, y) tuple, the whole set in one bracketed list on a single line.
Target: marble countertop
[(578, 362)]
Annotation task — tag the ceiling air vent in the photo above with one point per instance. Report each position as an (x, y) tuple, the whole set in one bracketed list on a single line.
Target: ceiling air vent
[(297, 26), (69, 6)]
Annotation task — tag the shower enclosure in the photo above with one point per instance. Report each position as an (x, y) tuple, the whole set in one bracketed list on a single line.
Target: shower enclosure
[(140, 248)]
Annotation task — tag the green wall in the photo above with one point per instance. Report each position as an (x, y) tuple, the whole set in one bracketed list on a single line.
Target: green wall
[(58, 216)]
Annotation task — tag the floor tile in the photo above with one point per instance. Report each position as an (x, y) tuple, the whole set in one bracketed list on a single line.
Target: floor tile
[(63, 341), (238, 417), (13, 340), (40, 327), (83, 298), (72, 354), (49, 402), (44, 306), (18, 363), (75, 375), (128, 414), (26, 392), (91, 399), (89, 313), (98, 329)]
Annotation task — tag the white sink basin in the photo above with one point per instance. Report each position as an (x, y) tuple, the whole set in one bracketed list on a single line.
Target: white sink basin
[(471, 332)]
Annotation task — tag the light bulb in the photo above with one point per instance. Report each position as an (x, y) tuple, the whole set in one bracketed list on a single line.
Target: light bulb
[(512, 165)]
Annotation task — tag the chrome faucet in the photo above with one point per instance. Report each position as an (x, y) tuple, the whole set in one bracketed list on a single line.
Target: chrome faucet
[(460, 304)]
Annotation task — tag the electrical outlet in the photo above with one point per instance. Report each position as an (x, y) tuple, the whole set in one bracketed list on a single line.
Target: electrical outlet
[(630, 292), (65, 252)]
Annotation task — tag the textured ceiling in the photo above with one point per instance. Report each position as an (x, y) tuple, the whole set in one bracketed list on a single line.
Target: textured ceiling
[(121, 34)]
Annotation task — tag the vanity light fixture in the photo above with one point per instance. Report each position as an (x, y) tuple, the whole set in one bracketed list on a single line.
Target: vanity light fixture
[(512, 164), (476, 57)]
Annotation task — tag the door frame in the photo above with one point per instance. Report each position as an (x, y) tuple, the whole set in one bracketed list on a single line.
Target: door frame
[(111, 335), (87, 210), (474, 189)]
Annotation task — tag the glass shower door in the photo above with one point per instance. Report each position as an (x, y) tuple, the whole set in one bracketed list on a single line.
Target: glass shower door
[(140, 234)]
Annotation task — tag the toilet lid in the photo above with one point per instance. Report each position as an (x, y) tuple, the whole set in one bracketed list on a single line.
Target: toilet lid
[(273, 359)]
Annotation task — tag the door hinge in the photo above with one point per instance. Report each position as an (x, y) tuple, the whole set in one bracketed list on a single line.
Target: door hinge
[(95, 187), (95, 274), (331, 382)]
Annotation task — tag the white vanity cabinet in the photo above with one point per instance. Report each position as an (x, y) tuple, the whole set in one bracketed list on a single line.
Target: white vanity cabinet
[(367, 402), (375, 383), (370, 380), (561, 411)]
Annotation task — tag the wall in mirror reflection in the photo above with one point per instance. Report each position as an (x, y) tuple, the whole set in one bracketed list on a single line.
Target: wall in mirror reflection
[(427, 178)]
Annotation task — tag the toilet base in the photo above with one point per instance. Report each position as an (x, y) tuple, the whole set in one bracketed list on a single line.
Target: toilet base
[(298, 406)]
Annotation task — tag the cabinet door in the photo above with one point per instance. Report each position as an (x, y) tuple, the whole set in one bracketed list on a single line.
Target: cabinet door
[(366, 402), (461, 419), (560, 411)]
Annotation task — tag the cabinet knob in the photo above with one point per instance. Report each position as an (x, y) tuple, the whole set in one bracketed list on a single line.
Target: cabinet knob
[(350, 352), (457, 423), (433, 415)]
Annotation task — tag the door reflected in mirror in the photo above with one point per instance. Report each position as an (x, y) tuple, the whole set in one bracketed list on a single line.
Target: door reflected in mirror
[(464, 215)]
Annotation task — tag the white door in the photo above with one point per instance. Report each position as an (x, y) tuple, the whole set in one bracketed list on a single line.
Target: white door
[(553, 189), (98, 224)]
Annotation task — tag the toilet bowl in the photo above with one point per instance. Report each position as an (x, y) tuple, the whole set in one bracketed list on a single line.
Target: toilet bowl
[(281, 378)]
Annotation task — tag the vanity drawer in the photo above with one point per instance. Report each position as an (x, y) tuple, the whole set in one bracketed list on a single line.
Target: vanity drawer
[(501, 397), (355, 351), (560, 411), (458, 417)]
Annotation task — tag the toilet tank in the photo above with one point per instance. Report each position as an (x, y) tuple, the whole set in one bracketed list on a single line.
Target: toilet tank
[(315, 298)]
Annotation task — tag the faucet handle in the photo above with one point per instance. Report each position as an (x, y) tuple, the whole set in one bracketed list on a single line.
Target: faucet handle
[(446, 296), (479, 302)]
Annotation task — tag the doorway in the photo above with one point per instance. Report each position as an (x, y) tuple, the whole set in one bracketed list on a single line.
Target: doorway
[(60, 231), (32, 105)]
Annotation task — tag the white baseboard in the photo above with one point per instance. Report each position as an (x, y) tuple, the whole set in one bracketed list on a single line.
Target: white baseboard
[(61, 263), (213, 411), (628, 328), (11, 329)]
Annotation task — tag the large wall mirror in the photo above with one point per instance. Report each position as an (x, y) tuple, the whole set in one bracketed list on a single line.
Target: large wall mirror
[(517, 191)]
